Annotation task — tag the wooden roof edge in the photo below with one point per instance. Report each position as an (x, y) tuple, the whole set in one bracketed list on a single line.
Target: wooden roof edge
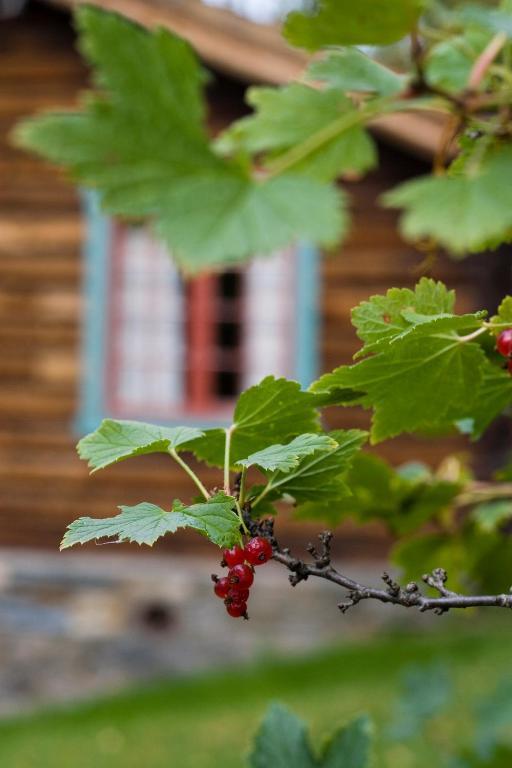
[(256, 53)]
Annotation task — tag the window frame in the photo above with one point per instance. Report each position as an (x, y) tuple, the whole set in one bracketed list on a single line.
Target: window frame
[(97, 244)]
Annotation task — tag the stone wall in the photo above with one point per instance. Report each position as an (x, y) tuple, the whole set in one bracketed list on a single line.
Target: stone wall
[(77, 624)]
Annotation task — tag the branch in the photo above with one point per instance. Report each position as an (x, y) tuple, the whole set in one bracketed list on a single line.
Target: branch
[(408, 596)]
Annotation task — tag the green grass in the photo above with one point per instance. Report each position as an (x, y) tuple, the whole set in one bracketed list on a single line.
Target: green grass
[(207, 722)]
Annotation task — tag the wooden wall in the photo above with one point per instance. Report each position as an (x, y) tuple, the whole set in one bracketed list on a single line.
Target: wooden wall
[(43, 485)]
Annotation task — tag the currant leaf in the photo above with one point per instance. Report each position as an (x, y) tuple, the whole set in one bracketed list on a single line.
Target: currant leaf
[(492, 515), (275, 410), (449, 63), (145, 523), (494, 396), (340, 22), (352, 70), (386, 317), (465, 212), (503, 318), (281, 742), (320, 476), (141, 140), (350, 747), (401, 500), (116, 440), (285, 458), (286, 117), (426, 380)]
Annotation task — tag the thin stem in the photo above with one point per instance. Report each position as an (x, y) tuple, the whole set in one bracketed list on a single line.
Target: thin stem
[(485, 60), (227, 461), (317, 140), (241, 518), (474, 335), (190, 472), (479, 492), (241, 490)]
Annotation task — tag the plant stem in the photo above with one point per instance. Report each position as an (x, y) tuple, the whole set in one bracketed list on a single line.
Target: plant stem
[(190, 472), (241, 491), (227, 462), (241, 518), (485, 60), (317, 140), (479, 492), (474, 335)]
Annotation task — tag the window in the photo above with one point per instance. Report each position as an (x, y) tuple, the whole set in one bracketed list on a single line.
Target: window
[(158, 347)]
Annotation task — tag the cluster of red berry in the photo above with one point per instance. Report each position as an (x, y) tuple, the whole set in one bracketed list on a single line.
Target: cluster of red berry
[(234, 588), (504, 346)]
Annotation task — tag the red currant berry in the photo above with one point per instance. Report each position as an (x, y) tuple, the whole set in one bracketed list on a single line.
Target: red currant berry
[(236, 610), (241, 575), (258, 551), (233, 556), (237, 595), (504, 343), (222, 587)]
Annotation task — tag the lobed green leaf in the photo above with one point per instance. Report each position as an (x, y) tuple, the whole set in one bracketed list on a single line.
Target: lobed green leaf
[(341, 22), (145, 523), (141, 140), (116, 440), (428, 379), (275, 410), (286, 117), (321, 476), (285, 458), (351, 70), (467, 212)]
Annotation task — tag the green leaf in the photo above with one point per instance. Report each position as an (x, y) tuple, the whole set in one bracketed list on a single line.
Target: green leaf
[(504, 316), (463, 213), (449, 62), (427, 691), (275, 410), (340, 22), (225, 218), (281, 742), (145, 523), (285, 117), (494, 396), (351, 70), (321, 476), (386, 317), (426, 380), (142, 141), (491, 515), (400, 499), (286, 457), (350, 747), (492, 19), (115, 441)]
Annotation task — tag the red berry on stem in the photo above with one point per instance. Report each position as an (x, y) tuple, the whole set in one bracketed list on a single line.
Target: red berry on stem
[(233, 556), (222, 587), (504, 343), (241, 575), (236, 610), (237, 595), (258, 551)]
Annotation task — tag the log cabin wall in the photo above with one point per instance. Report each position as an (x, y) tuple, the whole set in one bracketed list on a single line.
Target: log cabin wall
[(43, 485)]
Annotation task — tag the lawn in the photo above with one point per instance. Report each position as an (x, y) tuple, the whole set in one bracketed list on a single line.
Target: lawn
[(207, 722)]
